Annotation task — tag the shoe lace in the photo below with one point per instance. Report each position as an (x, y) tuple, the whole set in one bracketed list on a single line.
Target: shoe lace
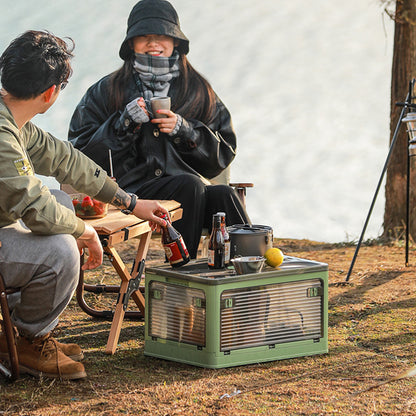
[(48, 347)]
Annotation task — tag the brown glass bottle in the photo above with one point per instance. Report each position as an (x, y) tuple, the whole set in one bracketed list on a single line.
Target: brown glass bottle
[(175, 248), (216, 245), (227, 241)]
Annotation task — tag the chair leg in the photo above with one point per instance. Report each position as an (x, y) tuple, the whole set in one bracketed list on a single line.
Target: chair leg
[(9, 334), (241, 189), (96, 288)]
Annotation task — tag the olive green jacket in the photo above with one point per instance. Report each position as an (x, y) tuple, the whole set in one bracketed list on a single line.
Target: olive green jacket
[(22, 196)]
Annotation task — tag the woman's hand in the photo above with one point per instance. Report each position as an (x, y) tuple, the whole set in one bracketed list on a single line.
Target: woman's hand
[(166, 125), (142, 104)]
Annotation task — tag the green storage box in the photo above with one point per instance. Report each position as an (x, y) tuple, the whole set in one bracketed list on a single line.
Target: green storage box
[(217, 319)]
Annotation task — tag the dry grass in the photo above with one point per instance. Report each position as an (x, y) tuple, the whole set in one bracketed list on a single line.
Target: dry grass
[(372, 332)]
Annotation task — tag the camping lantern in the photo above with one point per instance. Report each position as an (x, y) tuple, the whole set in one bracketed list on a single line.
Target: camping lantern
[(410, 120)]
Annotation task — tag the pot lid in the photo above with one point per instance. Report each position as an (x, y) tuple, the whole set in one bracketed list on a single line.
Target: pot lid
[(246, 229)]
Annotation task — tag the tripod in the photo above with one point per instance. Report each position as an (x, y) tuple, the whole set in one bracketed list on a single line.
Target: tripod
[(406, 105)]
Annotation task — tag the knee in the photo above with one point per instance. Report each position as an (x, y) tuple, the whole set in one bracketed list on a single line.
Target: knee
[(222, 191), (66, 259), (225, 189), (191, 183), (191, 180)]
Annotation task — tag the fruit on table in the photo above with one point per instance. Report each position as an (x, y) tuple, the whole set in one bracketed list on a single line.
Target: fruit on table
[(99, 207), (87, 202), (274, 257), (89, 207)]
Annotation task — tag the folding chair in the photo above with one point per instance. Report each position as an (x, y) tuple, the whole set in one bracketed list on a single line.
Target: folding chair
[(9, 332)]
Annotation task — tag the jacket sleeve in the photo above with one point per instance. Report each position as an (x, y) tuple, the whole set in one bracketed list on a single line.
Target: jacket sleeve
[(94, 128), (57, 158), (24, 197), (208, 149)]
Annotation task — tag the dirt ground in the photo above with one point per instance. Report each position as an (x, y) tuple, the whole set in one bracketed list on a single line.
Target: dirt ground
[(372, 332)]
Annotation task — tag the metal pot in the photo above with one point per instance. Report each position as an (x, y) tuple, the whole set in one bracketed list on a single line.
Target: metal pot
[(249, 240)]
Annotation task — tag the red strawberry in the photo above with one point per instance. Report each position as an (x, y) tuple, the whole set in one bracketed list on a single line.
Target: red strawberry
[(99, 207), (77, 206), (87, 202)]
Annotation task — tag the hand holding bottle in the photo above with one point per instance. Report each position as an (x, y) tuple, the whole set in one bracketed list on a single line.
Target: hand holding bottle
[(153, 211), (173, 244)]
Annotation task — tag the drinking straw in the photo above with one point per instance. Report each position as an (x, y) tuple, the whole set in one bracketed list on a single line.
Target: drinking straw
[(111, 162)]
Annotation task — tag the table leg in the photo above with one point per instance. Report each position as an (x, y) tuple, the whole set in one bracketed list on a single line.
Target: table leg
[(141, 254), (125, 276)]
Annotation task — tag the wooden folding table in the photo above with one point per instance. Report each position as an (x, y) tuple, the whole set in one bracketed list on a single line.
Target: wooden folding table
[(115, 228)]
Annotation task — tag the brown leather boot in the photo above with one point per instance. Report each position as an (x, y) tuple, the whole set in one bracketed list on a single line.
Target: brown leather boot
[(73, 351), (43, 357)]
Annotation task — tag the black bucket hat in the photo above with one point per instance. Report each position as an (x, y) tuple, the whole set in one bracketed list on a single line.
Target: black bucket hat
[(156, 17)]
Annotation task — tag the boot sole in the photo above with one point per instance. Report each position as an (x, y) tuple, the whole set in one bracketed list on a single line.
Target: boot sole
[(36, 373), (77, 357), (26, 370)]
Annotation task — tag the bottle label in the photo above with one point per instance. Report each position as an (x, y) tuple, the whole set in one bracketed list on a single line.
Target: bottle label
[(227, 252), (216, 259), (176, 251), (211, 255)]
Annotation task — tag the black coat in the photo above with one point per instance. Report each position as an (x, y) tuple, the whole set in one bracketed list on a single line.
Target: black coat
[(142, 153)]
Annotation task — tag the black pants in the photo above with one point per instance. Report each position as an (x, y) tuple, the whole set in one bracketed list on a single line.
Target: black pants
[(199, 203)]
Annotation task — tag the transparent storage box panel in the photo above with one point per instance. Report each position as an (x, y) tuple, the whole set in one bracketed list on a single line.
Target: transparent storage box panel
[(177, 313), (219, 319), (272, 314)]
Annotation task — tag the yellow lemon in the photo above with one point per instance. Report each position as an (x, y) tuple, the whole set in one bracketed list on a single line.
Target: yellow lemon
[(274, 257)]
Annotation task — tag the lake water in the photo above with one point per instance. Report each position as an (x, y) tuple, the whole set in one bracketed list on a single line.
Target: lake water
[(307, 83)]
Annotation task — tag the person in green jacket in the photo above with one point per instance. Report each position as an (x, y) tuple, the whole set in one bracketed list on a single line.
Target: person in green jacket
[(41, 237)]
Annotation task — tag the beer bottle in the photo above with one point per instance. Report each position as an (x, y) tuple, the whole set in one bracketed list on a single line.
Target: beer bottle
[(216, 245), (227, 240), (173, 244)]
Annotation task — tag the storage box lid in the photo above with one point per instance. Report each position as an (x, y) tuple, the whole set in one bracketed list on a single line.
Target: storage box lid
[(198, 270)]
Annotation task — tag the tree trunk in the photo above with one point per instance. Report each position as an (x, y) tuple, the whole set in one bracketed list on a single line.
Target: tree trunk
[(403, 71)]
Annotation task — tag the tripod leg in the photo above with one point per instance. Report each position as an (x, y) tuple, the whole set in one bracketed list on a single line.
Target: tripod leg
[(407, 208), (393, 142)]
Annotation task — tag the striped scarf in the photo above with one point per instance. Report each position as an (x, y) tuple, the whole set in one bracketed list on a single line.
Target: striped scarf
[(153, 74)]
